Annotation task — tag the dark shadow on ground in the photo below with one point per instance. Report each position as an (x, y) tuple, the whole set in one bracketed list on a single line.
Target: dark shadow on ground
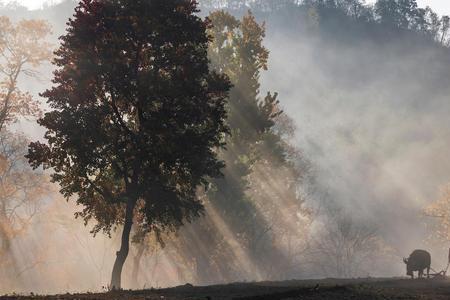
[(336, 289)]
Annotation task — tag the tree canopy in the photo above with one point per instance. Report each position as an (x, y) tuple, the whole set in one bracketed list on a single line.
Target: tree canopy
[(23, 47), (137, 116)]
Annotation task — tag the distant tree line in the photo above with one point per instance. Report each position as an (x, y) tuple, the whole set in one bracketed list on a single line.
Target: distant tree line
[(397, 14)]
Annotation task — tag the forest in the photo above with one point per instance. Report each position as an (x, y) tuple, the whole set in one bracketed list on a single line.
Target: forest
[(148, 144)]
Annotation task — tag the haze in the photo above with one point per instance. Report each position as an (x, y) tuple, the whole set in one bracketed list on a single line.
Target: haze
[(343, 183)]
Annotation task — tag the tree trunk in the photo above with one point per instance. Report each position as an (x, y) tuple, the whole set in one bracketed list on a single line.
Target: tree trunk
[(137, 262), (124, 247), (5, 240)]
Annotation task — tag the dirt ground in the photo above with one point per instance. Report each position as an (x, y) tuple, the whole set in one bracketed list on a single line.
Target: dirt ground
[(368, 288)]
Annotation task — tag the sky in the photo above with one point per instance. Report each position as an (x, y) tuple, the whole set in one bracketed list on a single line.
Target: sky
[(32, 4), (440, 6)]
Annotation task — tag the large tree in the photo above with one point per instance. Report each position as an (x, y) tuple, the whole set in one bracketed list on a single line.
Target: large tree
[(262, 176), (136, 115)]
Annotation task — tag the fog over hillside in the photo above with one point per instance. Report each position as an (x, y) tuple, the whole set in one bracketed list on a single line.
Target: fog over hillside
[(372, 114)]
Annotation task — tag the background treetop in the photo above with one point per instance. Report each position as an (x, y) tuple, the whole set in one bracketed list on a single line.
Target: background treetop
[(23, 47)]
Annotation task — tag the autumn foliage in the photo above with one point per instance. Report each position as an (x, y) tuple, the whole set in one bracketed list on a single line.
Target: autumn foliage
[(137, 116), (23, 48)]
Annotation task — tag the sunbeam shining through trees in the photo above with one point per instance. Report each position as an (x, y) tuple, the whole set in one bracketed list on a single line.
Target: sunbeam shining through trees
[(225, 149), (136, 116)]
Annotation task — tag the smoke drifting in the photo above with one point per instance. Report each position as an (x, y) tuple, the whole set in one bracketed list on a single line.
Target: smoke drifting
[(371, 113)]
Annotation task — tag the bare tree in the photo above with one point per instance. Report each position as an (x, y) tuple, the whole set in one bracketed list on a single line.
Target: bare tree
[(444, 31), (342, 247), (21, 191), (439, 212)]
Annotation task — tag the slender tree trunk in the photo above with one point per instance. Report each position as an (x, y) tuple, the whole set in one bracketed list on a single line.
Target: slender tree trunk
[(8, 263), (137, 262), (122, 254), (5, 239)]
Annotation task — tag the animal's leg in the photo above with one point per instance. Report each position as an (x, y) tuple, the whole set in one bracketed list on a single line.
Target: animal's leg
[(420, 273), (428, 272)]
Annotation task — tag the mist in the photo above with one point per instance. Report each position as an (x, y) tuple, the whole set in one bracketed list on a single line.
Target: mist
[(372, 117), (369, 113)]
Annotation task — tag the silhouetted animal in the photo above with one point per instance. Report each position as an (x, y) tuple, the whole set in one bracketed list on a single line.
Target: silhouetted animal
[(419, 260)]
